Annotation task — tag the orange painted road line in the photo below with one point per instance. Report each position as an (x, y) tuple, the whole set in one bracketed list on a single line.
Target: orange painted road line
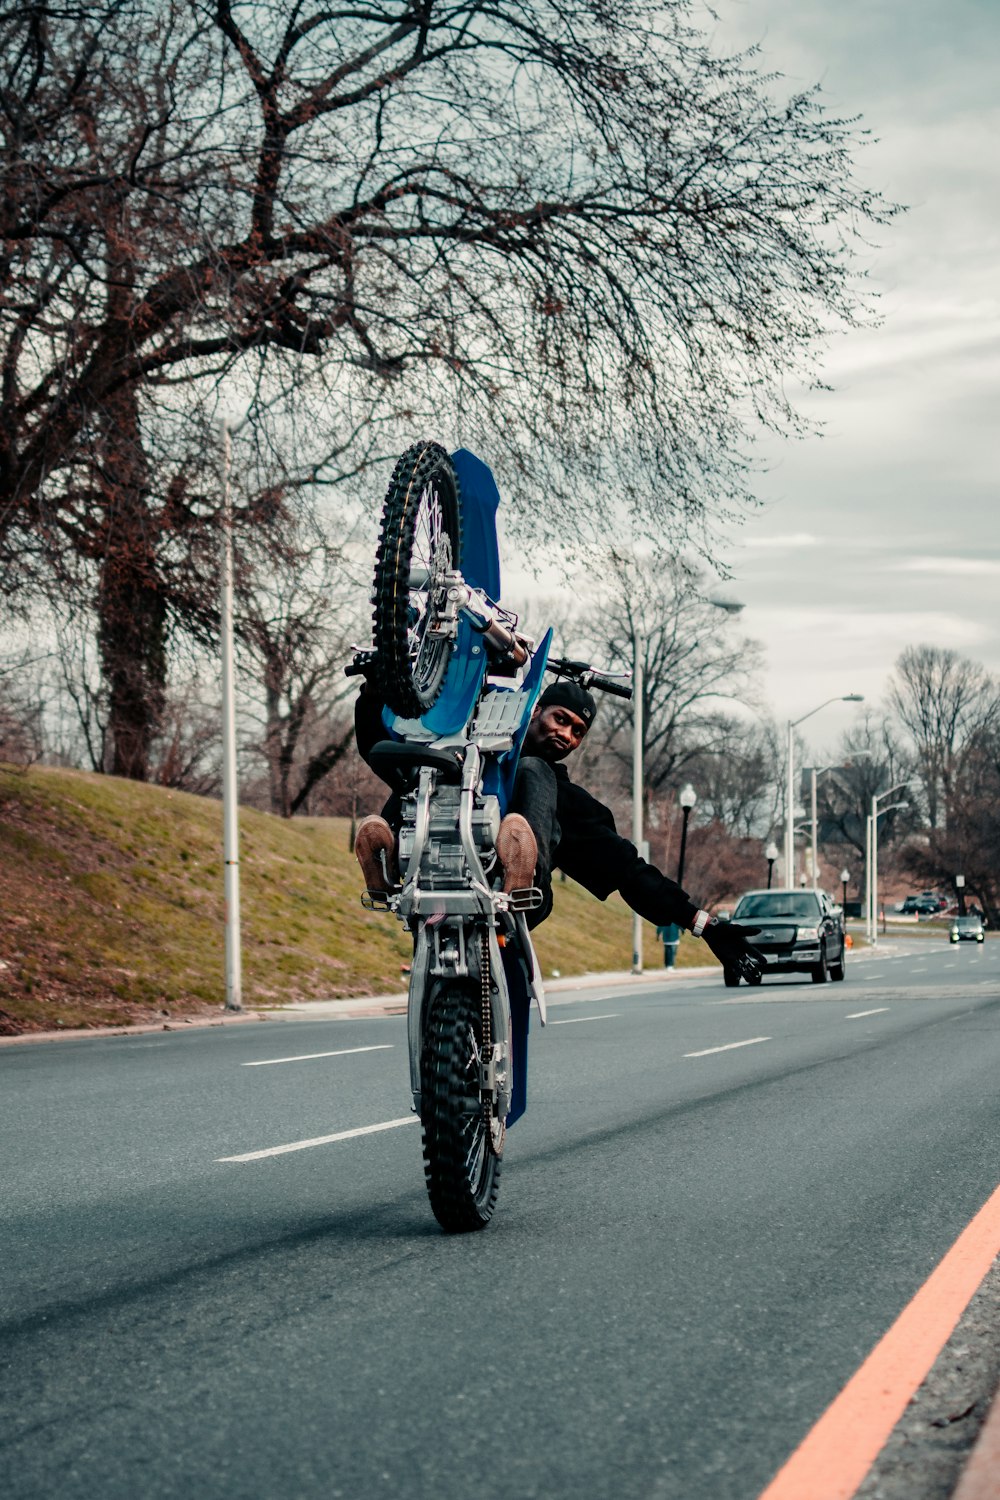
[(833, 1459)]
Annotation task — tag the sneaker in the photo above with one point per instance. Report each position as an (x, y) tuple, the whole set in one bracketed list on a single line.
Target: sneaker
[(517, 849), (375, 847)]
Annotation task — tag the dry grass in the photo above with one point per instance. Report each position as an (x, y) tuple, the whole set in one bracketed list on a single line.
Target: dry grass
[(112, 908)]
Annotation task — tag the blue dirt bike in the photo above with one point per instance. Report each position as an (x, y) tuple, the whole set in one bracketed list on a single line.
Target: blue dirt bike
[(459, 682)]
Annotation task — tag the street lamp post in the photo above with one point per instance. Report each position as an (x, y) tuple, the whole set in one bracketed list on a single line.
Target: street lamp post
[(789, 793), (845, 876), (687, 800), (770, 854), (670, 933)]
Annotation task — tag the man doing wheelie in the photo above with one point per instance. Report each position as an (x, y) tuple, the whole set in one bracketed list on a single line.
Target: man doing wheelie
[(552, 823)]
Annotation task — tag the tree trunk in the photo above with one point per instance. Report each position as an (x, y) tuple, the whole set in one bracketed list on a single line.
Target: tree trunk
[(131, 610)]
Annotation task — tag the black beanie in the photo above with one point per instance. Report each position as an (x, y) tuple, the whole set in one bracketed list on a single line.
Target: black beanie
[(569, 694)]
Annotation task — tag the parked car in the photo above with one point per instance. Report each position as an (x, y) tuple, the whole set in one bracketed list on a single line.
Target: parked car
[(966, 930), (799, 932), (927, 904)]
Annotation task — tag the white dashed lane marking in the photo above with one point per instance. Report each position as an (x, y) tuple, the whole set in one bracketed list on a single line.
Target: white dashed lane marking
[(857, 1014), (729, 1047), (321, 1140), (269, 1062), (575, 1020)]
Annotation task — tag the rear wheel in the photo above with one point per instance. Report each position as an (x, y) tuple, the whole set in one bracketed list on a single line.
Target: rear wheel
[(731, 978), (463, 1140), (420, 543)]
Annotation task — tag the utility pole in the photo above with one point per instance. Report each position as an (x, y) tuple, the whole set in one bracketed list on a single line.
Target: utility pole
[(637, 733), (230, 826)]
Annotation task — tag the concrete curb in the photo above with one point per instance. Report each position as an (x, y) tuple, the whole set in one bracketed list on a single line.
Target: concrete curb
[(180, 1023), (368, 1005), (360, 1005), (355, 1005)]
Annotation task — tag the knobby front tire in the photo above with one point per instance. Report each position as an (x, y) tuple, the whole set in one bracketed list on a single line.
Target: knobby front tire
[(419, 543), (463, 1146)]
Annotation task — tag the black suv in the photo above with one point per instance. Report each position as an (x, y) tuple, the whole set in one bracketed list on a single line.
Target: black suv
[(799, 932)]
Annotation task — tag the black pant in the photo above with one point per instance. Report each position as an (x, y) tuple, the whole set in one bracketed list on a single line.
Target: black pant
[(535, 798)]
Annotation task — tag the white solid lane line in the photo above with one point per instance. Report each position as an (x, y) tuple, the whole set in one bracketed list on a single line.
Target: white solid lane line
[(321, 1140), (729, 1047), (269, 1062), (856, 1015), (575, 1020)]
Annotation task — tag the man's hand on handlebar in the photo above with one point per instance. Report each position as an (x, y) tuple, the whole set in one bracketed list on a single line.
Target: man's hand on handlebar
[(733, 951), (364, 665)]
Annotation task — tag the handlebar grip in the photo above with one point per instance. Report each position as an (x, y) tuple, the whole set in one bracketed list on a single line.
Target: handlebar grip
[(361, 665), (609, 685)]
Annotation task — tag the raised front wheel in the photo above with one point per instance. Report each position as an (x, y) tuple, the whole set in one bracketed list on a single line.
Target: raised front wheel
[(419, 544), (463, 1140)]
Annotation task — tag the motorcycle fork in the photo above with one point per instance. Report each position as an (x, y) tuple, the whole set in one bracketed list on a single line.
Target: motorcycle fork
[(462, 950)]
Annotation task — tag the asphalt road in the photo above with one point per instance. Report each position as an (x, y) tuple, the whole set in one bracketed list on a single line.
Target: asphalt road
[(717, 1203)]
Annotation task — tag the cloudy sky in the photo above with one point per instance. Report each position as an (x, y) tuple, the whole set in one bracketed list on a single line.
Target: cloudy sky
[(883, 532)]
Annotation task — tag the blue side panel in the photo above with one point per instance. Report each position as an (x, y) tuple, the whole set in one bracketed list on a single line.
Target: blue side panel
[(499, 777), (480, 499), (520, 1015)]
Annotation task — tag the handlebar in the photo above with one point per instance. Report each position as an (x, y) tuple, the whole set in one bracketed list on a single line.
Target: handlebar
[(609, 685), (588, 677), (361, 664)]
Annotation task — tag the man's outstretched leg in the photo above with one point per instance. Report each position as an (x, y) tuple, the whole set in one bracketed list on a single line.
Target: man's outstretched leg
[(375, 847)]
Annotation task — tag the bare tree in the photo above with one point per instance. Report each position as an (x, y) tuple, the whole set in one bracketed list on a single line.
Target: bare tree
[(21, 712), (943, 701), (298, 628), (574, 232), (693, 662)]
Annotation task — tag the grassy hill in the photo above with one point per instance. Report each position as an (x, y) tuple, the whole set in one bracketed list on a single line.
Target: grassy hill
[(111, 895)]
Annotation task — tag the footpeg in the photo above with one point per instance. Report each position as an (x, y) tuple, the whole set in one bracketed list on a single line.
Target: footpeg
[(525, 898)]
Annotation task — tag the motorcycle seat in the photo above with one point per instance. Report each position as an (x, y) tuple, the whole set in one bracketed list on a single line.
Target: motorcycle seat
[(398, 762)]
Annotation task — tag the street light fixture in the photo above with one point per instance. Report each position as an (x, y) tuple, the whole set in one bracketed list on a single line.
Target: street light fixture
[(789, 795), (845, 876), (770, 854)]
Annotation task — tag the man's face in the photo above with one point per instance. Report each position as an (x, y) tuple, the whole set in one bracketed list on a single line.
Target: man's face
[(554, 732)]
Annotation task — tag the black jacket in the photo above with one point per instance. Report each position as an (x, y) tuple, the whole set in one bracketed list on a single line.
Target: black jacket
[(593, 852), (590, 849)]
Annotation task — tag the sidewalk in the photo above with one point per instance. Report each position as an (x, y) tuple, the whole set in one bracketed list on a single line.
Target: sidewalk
[(555, 989)]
